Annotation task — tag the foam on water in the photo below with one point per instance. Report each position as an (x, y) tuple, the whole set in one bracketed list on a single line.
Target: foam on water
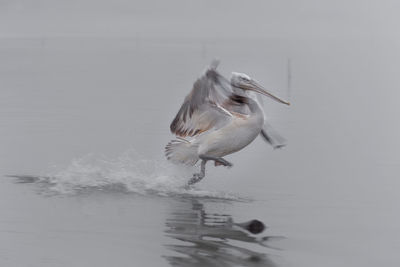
[(129, 172)]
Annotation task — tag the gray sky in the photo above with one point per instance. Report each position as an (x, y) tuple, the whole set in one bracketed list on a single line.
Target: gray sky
[(188, 19)]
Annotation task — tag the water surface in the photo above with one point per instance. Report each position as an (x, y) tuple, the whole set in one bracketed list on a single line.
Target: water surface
[(83, 123)]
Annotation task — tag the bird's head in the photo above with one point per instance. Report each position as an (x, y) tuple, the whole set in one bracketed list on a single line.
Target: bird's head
[(244, 82)]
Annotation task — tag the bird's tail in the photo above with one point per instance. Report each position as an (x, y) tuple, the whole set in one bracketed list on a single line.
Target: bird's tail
[(181, 151)]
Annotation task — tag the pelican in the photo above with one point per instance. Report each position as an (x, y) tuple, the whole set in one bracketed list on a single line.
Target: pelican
[(217, 118)]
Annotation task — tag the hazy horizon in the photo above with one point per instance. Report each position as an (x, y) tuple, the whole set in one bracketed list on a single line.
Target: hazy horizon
[(88, 90)]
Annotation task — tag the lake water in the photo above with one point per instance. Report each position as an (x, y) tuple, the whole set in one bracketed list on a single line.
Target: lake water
[(83, 125)]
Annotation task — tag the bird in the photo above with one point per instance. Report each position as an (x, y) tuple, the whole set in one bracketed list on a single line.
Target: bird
[(217, 118)]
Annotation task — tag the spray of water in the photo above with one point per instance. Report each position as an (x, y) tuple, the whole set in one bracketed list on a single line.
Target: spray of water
[(128, 173)]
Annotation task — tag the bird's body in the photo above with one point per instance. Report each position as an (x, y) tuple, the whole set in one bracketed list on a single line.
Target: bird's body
[(217, 118), (241, 130)]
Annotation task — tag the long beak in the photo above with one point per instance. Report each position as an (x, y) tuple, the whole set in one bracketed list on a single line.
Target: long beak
[(255, 86)]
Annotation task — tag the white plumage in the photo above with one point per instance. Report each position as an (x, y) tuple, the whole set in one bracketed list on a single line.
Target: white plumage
[(216, 119)]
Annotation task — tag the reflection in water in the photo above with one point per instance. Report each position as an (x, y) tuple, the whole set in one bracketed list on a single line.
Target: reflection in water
[(209, 239)]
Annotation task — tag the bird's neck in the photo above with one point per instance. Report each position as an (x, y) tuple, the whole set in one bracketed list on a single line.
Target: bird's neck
[(250, 99), (253, 105)]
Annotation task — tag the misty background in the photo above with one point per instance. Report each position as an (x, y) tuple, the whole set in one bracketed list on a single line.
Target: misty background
[(81, 78)]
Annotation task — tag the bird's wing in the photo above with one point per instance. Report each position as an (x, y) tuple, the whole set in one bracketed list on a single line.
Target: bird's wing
[(268, 133), (272, 137), (206, 107)]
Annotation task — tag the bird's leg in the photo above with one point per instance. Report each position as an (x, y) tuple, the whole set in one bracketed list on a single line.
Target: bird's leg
[(204, 158), (198, 176), (218, 160)]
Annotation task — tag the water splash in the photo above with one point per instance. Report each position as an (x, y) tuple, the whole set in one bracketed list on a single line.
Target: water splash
[(128, 173)]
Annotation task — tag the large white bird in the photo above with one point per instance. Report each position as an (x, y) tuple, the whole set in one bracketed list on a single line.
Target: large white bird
[(219, 118)]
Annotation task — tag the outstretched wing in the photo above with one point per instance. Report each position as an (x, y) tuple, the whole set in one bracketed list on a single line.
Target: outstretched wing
[(203, 108), (272, 137)]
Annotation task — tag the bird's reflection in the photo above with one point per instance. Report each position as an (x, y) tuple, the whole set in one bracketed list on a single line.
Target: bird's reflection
[(208, 237)]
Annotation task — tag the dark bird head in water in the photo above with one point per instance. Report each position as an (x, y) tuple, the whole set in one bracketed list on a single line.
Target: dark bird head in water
[(253, 226)]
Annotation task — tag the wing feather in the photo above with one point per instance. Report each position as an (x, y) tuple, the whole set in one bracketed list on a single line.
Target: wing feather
[(201, 109)]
